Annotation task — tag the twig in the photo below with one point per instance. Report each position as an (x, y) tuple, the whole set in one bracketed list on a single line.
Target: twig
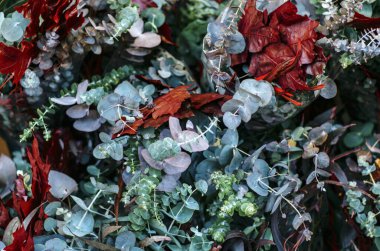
[(337, 183), (345, 154)]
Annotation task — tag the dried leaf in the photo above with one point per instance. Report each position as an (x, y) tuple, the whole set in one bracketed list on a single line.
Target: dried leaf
[(150, 240)]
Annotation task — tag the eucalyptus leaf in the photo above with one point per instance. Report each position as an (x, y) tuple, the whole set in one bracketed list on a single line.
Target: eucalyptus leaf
[(61, 185), (232, 121), (181, 213), (80, 224), (201, 186)]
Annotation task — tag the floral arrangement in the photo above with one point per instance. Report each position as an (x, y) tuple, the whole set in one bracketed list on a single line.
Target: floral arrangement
[(216, 125)]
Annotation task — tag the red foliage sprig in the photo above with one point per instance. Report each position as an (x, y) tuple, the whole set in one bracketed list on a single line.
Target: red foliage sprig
[(179, 102), (23, 238), (280, 46), (45, 15)]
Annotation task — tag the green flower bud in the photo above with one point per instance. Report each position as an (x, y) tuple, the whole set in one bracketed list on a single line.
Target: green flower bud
[(248, 209)]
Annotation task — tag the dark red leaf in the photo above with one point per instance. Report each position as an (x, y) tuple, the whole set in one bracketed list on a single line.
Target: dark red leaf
[(316, 68), (182, 114), (143, 4), (261, 37), (252, 19), (166, 34), (32, 10), (14, 60), (301, 32), (157, 83), (22, 241), (170, 103), (281, 46), (57, 15), (241, 58), (40, 189), (286, 14), (200, 100), (294, 80), (362, 22), (262, 63), (283, 67), (4, 216)]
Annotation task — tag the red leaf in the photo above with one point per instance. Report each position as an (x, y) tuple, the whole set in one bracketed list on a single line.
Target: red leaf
[(4, 215), (294, 80), (40, 173), (187, 113), (144, 4), (57, 15), (252, 19), (166, 34), (286, 14), (301, 32), (32, 10), (200, 100), (362, 22), (22, 241), (316, 68), (15, 61), (283, 67), (40, 188), (170, 103), (281, 46), (262, 63), (157, 83), (261, 37), (241, 58)]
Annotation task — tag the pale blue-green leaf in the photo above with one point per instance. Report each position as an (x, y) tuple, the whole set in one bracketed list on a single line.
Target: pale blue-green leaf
[(129, 92), (245, 113), (232, 121), (330, 90), (226, 155), (93, 170), (64, 101), (168, 183), (232, 105), (262, 89), (181, 214), (79, 202), (163, 149), (51, 208), (61, 185), (191, 203), (259, 185), (230, 137), (110, 108), (89, 123), (80, 224), (78, 111), (50, 224), (202, 186), (115, 150), (56, 244), (236, 43), (235, 162), (11, 29), (125, 240)]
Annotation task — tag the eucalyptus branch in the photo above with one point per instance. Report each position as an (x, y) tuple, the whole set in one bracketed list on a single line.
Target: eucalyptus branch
[(110, 80)]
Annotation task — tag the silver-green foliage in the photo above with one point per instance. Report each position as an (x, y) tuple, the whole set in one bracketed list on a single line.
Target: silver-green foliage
[(12, 27)]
